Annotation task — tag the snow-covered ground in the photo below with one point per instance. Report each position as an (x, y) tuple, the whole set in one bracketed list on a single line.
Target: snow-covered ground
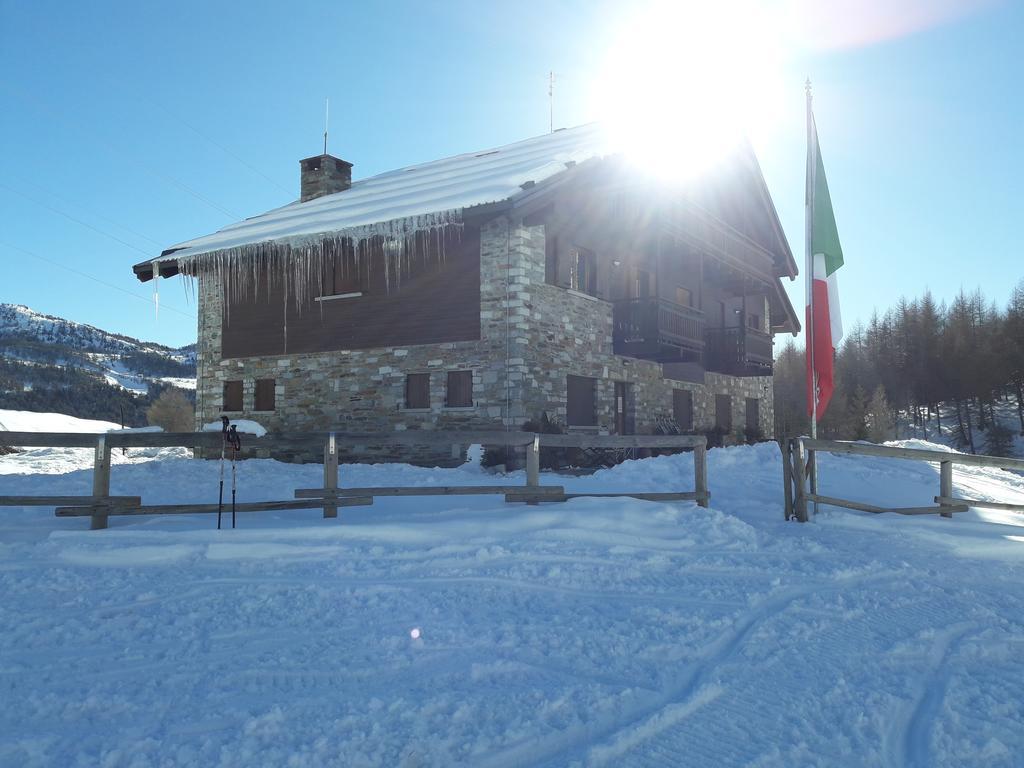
[(49, 461), (1006, 416), (595, 632)]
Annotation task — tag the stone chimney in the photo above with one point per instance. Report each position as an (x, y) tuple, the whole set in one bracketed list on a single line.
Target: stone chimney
[(324, 175)]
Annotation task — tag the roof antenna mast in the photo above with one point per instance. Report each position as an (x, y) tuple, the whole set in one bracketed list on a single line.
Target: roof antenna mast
[(327, 120), (551, 102)]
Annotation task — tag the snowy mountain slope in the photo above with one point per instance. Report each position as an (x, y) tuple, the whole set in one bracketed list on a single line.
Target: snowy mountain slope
[(596, 632), (30, 337), (19, 320), (48, 364)]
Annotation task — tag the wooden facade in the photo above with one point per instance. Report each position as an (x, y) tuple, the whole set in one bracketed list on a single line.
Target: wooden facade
[(685, 286), (437, 300)]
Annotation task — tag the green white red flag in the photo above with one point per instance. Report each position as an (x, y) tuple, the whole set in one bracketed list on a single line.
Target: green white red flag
[(824, 258)]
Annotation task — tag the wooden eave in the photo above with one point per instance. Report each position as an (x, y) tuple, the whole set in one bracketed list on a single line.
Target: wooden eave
[(790, 263), (144, 270)]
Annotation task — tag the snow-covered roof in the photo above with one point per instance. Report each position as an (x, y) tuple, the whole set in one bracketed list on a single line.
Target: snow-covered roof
[(445, 186)]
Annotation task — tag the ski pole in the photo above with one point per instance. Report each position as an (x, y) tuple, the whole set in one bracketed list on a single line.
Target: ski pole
[(236, 445), (223, 447)]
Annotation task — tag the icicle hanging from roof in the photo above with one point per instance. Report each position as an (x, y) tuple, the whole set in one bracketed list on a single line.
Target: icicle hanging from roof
[(299, 262)]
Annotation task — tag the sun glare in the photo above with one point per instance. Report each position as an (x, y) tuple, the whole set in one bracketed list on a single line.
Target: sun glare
[(684, 82)]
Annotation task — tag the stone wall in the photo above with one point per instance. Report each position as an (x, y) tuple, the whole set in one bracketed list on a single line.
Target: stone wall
[(571, 333), (364, 390), (531, 336)]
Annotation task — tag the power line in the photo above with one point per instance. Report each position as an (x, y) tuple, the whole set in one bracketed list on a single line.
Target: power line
[(227, 151), (135, 161), (76, 220), (94, 213), (147, 299)]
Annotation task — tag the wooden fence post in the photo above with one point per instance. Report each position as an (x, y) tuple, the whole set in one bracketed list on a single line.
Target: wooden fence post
[(533, 462), (786, 446), (533, 466), (700, 473), (800, 476), (945, 484), (330, 473), (100, 480)]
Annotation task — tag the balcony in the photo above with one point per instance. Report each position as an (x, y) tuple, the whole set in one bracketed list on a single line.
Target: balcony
[(738, 351), (658, 329)]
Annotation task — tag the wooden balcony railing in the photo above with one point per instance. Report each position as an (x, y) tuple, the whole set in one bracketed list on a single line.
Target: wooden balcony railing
[(738, 351), (652, 327)]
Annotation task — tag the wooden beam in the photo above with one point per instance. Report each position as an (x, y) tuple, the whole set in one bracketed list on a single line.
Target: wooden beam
[(280, 441), (101, 483), (56, 501), (316, 440), (929, 510), (530, 495), (426, 490), (980, 504), (700, 473), (946, 482), (587, 440), (787, 477), (834, 502), (915, 454), (330, 473), (202, 509), (862, 507)]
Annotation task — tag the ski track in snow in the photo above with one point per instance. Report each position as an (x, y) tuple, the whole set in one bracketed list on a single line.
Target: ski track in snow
[(594, 633)]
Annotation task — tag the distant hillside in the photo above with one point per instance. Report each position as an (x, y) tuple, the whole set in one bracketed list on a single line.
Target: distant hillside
[(49, 364)]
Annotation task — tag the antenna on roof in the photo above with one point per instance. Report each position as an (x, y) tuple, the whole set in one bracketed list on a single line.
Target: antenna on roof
[(327, 120), (551, 102)]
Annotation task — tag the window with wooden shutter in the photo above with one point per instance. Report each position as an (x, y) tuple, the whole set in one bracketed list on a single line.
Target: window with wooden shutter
[(460, 389), (682, 408), (581, 401), (264, 395), (551, 259), (233, 395), (345, 274), (417, 390), (753, 414), (723, 412), (583, 271)]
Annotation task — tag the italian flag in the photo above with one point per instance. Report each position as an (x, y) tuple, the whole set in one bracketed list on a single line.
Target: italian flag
[(825, 257)]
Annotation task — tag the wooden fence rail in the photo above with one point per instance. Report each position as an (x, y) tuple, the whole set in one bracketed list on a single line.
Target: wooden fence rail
[(798, 464), (100, 504)]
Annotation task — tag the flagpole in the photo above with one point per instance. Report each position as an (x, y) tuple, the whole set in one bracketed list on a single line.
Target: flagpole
[(809, 260)]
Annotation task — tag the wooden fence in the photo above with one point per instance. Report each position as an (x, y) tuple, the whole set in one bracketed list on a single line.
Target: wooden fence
[(801, 483), (101, 504)]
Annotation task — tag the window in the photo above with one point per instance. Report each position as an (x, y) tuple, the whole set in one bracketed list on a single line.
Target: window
[(753, 415), (580, 405), (723, 412), (264, 395), (641, 287), (583, 271), (417, 390), (753, 321), (551, 259), (233, 395), (682, 408), (684, 297), (345, 274), (460, 389)]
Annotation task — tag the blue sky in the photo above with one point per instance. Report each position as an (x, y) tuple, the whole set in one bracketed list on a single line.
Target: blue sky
[(129, 127)]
